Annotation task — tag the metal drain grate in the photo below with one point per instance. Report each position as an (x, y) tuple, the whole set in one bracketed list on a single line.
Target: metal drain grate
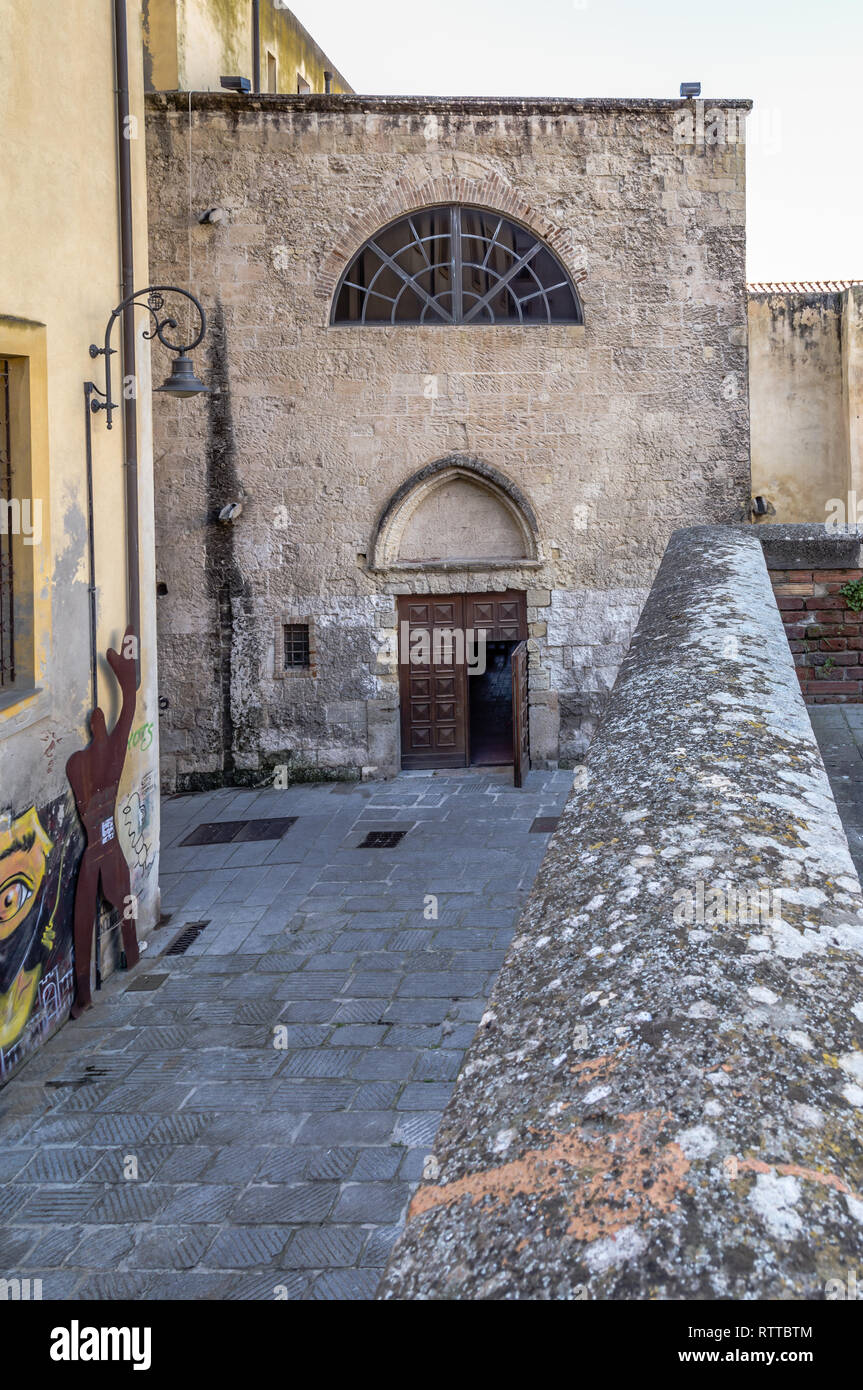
[(219, 832), (272, 829), (544, 825), (382, 839), (93, 1076), (237, 832), (190, 933)]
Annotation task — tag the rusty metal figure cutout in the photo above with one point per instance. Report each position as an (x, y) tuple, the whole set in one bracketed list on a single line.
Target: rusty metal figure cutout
[(94, 775)]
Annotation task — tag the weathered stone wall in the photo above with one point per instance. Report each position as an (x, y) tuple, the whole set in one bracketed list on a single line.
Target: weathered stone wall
[(806, 388), (664, 1099), (616, 432)]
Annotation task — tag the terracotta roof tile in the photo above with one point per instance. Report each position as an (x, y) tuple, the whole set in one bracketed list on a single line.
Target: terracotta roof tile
[(800, 286)]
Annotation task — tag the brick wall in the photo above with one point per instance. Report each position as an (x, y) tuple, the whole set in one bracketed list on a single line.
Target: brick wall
[(824, 634)]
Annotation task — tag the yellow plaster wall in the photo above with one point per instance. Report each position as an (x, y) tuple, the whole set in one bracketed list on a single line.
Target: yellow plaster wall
[(59, 281), (296, 53), (160, 48), (806, 398), (852, 386), (191, 44)]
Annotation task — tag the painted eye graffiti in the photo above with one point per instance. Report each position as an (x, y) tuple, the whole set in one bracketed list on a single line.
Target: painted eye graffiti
[(14, 893)]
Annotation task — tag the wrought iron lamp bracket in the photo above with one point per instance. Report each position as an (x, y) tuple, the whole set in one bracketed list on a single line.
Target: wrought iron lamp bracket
[(151, 299)]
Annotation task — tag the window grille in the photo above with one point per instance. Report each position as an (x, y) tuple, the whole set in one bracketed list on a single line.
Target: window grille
[(296, 645), (455, 265)]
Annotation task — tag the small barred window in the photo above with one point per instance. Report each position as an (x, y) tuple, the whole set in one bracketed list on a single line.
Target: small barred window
[(296, 645)]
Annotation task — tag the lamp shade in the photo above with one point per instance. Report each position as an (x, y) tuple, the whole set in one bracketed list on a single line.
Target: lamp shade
[(182, 382)]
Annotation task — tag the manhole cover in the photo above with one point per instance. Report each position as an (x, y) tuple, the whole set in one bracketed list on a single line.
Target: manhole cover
[(265, 829), (237, 832), (220, 832)]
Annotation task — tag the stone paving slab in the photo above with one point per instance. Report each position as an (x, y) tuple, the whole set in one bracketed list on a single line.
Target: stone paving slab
[(839, 731), (254, 1125)]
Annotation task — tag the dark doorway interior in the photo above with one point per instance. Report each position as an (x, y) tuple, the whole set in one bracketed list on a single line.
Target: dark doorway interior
[(491, 708)]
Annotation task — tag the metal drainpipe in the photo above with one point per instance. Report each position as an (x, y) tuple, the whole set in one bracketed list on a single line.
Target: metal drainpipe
[(256, 45), (130, 406)]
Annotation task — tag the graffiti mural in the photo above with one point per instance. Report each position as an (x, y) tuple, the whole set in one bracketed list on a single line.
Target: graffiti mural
[(142, 737), (136, 822), (52, 876), (39, 855)]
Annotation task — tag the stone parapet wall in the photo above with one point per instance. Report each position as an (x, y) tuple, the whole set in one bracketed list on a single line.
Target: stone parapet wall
[(664, 1098)]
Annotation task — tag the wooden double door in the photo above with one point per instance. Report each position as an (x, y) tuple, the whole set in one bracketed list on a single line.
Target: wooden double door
[(439, 637)]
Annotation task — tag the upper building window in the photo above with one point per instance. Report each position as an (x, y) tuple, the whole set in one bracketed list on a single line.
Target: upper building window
[(455, 265)]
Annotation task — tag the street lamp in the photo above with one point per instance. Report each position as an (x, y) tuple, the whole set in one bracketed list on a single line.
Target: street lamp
[(182, 382)]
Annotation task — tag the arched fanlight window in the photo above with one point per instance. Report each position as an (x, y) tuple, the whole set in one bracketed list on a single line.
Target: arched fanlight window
[(455, 265)]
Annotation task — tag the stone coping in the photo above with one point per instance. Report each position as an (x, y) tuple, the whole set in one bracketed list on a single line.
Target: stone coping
[(810, 545), (664, 1098), (354, 102)]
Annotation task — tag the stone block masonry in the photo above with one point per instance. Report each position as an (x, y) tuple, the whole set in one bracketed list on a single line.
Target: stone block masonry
[(614, 431)]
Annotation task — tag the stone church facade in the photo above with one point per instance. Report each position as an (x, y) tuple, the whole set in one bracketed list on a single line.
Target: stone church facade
[(519, 465)]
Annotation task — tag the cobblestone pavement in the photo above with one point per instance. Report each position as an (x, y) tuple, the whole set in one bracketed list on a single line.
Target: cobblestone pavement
[(266, 1170), (839, 731)]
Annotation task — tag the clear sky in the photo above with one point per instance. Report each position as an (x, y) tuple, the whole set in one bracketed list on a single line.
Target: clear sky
[(800, 62)]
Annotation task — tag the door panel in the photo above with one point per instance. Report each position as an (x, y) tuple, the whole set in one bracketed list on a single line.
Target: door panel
[(503, 616), (520, 744), (433, 694)]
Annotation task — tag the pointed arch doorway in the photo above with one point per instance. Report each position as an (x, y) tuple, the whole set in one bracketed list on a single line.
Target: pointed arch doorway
[(464, 702)]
